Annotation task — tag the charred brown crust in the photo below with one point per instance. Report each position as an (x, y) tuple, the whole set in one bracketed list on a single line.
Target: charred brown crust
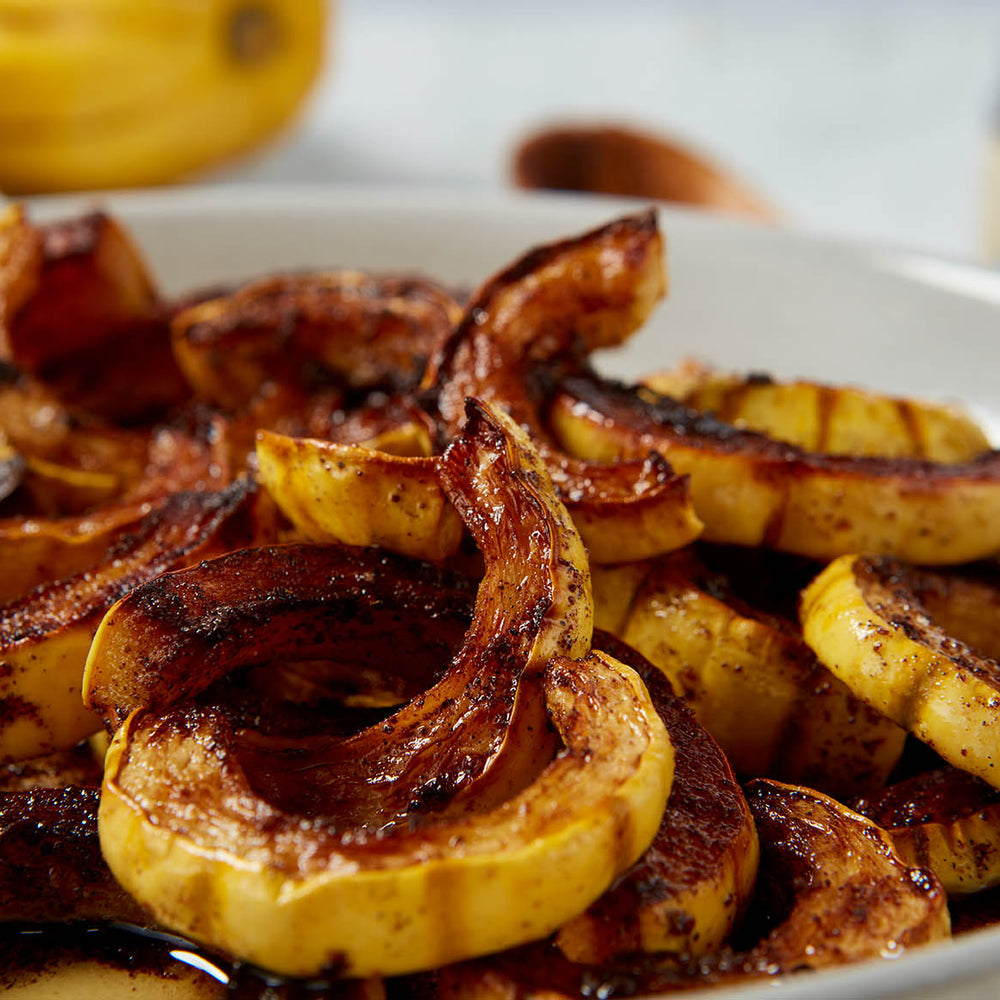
[(360, 330), (705, 815), (896, 592), (639, 228), (177, 527), (944, 795), (182, 632), (652, 415), (51, 866)]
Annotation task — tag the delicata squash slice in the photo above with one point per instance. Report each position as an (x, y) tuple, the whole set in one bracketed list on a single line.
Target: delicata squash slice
[(692, 884), (45, 636), (748, 676), (753, 490), (360, 329), (557, 304), (185, 832), (80, 311), (946, 821), (866, 619), (359, 496), (841, 420), (301, 855), (830, 891)]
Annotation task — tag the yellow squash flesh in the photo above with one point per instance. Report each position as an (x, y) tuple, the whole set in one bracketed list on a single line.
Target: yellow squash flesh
[(759, 691), (752, 490), (837, 419), (357, 496), (459, 889), (866, 623)]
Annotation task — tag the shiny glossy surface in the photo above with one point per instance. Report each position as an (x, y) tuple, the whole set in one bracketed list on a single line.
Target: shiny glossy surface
[(742, 297)]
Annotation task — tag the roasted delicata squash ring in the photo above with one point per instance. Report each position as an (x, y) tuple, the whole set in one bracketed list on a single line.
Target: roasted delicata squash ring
[(752, 490), (358, 496), (37, 550), (365, 330), (946, 821), (848, 895), (174, 790), (840, 420), (829, 876), (172, 638), (559, 302), (534, 602), (45, 636), (396, 881), (757, 688), (864, 618), (692, 884), (91, 325)]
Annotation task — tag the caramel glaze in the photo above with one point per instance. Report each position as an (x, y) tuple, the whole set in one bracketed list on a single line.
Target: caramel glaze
[(176, 635), (706, 816), (656, 417), (818, 903), (359, 329), (178, 527), (51, 868), (571, 297), (30, 951), (945, 795), (900, 594), (95, 328)]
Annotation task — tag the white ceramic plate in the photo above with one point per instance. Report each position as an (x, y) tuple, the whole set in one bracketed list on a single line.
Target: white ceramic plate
[(742, 297)]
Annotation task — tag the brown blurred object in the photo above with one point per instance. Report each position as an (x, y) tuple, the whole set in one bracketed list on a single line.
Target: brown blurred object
[(610, 159)]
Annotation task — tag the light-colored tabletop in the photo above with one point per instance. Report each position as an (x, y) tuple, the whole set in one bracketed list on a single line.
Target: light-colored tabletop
[(862, 118)]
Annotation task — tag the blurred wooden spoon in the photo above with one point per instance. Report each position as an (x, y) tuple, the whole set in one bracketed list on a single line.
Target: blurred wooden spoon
[(609, 159)]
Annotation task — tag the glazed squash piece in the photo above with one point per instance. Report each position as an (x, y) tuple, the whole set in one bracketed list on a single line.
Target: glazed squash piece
[(840, 420), (749, 676), (37, 550), (691, 886), (554, 305), (81, 313), (45, 636), (943, 820), (831, 879), (866, 620), (534, 602), (359, 496), (349, 856), (357, 329), (752, 490)]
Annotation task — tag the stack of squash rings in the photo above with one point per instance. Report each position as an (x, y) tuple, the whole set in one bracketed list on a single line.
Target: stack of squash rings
[(372, 640)]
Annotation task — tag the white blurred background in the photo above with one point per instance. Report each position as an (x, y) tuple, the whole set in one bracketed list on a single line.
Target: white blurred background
[(868, 119)]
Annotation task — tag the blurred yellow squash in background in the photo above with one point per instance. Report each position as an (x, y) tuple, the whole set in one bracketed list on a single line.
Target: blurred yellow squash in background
[(115, 93)]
